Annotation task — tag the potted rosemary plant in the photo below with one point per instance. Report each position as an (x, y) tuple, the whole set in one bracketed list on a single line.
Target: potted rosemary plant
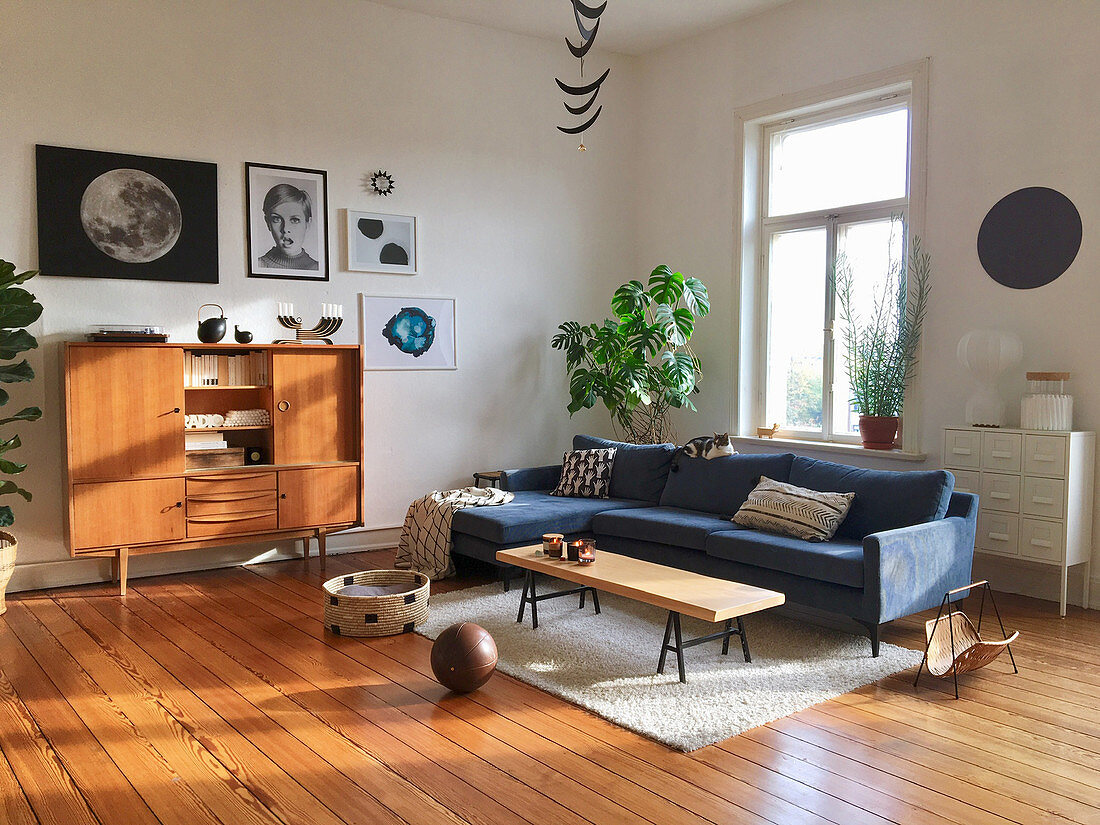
[(638, 363), (880, 347), (18, 309)]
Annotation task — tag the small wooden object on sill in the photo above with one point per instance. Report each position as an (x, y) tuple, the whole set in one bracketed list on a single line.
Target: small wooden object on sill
[(767, 432), (205, 459), (490, 477)]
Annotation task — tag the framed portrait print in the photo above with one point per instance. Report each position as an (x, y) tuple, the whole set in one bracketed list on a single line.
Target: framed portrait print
[(408, 333), (381, 243), (109, 215), (287, 222)]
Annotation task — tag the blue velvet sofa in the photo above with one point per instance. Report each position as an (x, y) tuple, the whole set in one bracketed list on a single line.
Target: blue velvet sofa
[(907, 539)]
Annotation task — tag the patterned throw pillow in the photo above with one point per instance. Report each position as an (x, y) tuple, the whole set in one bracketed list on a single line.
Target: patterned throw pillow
[(794, 511), (586, 473)]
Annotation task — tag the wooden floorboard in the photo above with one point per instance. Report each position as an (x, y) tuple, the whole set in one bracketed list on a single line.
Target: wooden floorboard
[(219, 697)]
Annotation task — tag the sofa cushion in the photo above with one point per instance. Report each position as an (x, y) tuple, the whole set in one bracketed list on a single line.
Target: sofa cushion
[(531, 514), (585, 474), (664, 525), (640, 470), (794, 511), (839, 561), (722, 484), (885, 499)]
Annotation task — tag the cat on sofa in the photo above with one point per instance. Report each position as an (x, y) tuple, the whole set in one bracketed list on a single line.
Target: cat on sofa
[(704, 446)]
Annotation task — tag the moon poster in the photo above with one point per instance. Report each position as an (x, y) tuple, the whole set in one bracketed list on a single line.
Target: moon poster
[(108, 215)]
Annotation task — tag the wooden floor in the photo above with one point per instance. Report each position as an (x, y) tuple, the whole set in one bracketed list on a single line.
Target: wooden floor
[(217, 697)]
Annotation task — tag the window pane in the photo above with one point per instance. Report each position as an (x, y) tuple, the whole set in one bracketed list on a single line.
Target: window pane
[(839, 164), (873, 251), (796, 313)]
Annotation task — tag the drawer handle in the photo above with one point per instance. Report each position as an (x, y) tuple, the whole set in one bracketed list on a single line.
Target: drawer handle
[(242, 496), (1001, 496), (1001, 453), (227, 518), (233, 477), (960, 451), (1041, 543), (1043, 457), (999, 536), (1042, 500)]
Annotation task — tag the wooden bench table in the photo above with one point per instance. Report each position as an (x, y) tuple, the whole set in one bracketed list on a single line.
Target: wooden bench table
[(680, 592)]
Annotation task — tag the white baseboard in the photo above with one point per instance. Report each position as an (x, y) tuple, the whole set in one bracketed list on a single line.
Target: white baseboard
[(67, 572)]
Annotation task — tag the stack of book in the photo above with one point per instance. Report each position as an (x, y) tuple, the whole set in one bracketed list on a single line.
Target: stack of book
[(204, 441), (246, 370)]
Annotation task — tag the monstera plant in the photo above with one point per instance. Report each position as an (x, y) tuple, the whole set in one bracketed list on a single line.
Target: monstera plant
[(638, 363), (18, 309)]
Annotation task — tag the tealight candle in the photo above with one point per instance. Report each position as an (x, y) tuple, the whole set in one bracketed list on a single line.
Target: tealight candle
[(587, 554)]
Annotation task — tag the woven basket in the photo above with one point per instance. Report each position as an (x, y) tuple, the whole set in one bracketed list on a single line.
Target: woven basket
[(970, 650), (376, 615), (8, 547)]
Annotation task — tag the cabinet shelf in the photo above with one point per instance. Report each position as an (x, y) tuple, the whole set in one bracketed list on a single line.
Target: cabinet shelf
[(231, 387), (224, 429)]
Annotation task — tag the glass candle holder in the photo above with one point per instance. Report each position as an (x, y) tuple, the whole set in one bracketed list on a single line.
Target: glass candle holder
[(587, 554), (547, 540), (553, 547), (574, 549)]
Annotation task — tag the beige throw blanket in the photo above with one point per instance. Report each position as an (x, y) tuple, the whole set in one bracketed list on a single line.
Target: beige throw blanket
[(426, 544)]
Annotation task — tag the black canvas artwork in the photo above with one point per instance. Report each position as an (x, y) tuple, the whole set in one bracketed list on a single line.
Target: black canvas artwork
[(1030, 237), (109, 215)]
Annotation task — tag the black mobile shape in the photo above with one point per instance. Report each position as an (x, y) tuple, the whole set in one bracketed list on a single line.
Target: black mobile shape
[(573, 130), (583, 90), (580, 51), (591, 12), (580, 110)]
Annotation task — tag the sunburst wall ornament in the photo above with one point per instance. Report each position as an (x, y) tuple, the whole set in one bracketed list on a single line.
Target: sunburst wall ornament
[(581, 13), (382, 182)]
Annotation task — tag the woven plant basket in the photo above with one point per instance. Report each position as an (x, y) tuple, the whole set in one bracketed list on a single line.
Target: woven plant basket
[(970, 650), (8, 547), (376, 615)]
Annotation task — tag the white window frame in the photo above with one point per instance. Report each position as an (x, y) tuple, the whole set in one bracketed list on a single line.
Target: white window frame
[(904, 85)]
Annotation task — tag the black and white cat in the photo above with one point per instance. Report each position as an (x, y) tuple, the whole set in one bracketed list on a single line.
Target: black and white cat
[(704, 446)]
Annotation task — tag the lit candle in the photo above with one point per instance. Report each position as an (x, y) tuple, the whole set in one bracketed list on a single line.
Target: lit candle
[(575, 549)]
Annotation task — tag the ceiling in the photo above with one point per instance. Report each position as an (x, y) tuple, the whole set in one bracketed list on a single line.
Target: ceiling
[(627, 26)]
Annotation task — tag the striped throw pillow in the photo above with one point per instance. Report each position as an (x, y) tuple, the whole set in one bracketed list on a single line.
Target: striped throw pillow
[(794, 511)]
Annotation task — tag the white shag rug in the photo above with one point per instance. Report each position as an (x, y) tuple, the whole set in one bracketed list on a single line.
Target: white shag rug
[(608, 663)]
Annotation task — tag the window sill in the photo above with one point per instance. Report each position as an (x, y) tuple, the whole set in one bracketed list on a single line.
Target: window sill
[(833, 447)]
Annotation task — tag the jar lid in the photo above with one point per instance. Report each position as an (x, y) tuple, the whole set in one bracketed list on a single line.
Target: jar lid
[(1047, 376)]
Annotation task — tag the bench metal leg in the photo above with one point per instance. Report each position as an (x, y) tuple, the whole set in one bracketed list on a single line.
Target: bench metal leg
[(530, 597), (672, 629)]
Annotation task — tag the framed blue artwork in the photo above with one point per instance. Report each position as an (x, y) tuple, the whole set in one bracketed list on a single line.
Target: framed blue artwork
[(408, 333)]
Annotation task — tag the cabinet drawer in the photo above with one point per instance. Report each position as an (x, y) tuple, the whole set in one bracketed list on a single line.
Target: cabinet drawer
[(1000, 492), (225, 524), (1045, 455), (1002, 451), (223, 484), (962, 448), (998, 533), (212, 504), (121, 513), (967, 481), (1041, 540), (1044, 497)]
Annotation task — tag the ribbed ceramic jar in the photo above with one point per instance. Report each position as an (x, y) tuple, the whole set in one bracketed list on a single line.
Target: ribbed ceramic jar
[(8, 546)]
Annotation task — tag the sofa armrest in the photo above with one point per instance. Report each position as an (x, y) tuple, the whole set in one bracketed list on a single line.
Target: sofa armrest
[(530, 478), (910, 569)]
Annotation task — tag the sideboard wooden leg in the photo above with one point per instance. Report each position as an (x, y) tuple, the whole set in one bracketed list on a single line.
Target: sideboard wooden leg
[(321, 546), (122, 561)]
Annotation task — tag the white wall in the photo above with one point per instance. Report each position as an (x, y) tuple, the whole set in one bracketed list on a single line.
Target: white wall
[(519, 227), (1014, 102)]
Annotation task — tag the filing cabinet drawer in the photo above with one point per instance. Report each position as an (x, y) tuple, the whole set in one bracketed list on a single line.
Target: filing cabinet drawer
[(1002, 451), (1041, 540), (1045, 455), (962, 448), (998, 533), (1044, 497), (1000, 492), (967, 481)]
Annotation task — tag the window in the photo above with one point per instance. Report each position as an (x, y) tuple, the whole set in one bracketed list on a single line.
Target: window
[(829, 177)]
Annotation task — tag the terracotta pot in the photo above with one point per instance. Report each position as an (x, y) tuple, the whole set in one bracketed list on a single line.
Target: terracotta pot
[(878, 431), (8, 547)]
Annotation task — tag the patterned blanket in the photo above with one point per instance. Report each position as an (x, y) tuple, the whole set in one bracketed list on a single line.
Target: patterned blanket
[(426, 543)]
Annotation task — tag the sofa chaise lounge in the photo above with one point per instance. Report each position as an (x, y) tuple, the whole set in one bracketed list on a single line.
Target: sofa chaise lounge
[(907, 539)]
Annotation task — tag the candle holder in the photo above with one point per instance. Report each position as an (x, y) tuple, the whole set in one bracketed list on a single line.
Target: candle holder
[(331, 320), (554, 548), (574, 549), (548, 541), (587, 555)]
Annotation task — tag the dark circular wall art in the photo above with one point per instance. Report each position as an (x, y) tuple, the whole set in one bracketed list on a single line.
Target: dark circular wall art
[(1029, 237)]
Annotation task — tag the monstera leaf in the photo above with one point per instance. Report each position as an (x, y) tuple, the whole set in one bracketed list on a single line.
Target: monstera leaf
[(18, 309)]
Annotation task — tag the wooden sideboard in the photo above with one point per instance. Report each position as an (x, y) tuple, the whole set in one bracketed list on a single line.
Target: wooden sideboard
[(1035, 492), (130, 490)]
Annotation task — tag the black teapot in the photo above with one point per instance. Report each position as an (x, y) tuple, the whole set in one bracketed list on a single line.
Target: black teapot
[(212, 330)]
